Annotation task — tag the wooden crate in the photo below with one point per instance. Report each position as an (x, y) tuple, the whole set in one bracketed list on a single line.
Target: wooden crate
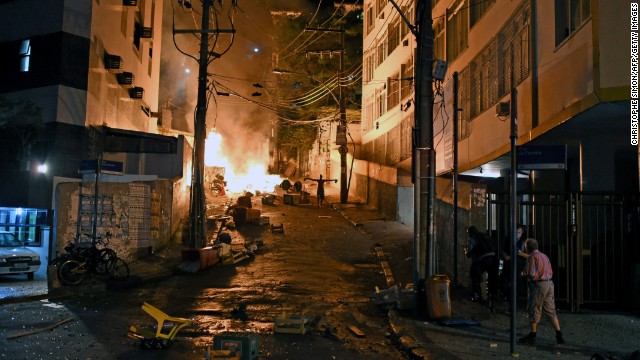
[(291, 324)]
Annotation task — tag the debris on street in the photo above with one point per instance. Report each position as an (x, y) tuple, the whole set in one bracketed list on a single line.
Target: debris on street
[(166, 329), (357, 332), (291, 324), (39, 330)]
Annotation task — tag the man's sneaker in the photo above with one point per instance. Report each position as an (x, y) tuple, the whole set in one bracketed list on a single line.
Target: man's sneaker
[(559, 338), (529, 339)]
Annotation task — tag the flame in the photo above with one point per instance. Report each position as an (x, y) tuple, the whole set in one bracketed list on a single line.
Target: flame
[(253, 178)]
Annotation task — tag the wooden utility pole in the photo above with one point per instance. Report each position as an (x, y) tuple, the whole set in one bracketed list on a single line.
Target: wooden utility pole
[(424, 169), (341, 133), (198, 201)]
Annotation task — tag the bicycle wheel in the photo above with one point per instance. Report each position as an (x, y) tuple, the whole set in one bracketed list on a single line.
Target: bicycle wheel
[(102, 260), (118, 269), (72, 272)]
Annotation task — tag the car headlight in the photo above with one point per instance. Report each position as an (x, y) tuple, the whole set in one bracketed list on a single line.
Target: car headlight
[(3, 260), (35, 258)]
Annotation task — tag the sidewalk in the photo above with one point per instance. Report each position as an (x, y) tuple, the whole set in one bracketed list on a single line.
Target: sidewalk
[(586, 332)]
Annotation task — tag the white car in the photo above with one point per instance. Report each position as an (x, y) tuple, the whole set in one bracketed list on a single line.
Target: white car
[(15, 258)]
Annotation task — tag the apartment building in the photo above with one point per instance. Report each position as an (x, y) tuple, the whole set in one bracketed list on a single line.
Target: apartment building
[(84, 76), (82, 64), (577, 169)]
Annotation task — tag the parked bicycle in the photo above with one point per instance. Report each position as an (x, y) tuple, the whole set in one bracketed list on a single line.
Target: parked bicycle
[(82, 258)]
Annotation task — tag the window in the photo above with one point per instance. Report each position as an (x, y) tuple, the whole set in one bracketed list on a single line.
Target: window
[(381, 103), (438, 40), (477, 8), (464, 103), (382, 50), (457, 29), (367, 111), (369, 20), (570, 14), (137, 30), (381, 4), (501, 65), (393, 91), (406, 84), (124, 19), (484, 80), (393, 30), (25, 55), (369, 64), (404, 28), (150, 65), (513, 53)]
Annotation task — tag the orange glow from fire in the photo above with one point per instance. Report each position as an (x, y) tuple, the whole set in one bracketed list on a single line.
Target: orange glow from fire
[(254, 178)]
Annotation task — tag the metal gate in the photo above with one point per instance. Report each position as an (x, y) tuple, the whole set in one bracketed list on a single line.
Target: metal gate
[(590, 238)]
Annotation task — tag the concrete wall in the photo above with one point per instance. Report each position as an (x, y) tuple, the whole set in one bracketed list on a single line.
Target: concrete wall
[(139, 215)]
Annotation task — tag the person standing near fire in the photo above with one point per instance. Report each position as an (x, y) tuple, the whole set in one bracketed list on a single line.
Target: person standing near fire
[(321, 181)]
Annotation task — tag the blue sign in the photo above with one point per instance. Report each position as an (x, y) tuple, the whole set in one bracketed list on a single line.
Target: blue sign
[(542, 157), (107, 167)]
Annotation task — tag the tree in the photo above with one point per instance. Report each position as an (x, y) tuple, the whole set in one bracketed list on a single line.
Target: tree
[(309, 72), (20, 122)]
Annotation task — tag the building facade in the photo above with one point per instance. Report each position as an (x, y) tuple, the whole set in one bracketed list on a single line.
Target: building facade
[(82, 64), (572, 93), (80, 83)]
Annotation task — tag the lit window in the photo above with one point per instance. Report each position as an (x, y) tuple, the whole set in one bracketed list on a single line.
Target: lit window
[(25, 54)]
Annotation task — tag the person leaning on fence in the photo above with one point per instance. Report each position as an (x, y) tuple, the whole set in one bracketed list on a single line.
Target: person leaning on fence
[(541, 292), (483, 259), (521, 261)]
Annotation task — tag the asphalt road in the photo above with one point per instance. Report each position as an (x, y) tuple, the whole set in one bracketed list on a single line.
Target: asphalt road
[(321, 268)]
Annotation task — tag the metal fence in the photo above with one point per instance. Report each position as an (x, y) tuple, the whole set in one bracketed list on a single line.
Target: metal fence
[(591, 239)]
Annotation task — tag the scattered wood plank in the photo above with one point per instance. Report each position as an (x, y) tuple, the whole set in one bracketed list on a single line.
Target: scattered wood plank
[(39, 330), (357, 332)]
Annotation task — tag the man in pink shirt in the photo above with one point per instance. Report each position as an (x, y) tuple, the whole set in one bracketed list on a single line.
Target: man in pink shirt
[(541, 292)]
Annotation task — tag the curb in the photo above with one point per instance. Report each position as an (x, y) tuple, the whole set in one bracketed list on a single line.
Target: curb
[(406, 343)]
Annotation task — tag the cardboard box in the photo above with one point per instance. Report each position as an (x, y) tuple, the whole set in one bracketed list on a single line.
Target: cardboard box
[(253, 216), (291, 199), (244, 344)]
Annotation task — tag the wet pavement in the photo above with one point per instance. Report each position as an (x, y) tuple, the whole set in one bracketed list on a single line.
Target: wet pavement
[(387, 328)]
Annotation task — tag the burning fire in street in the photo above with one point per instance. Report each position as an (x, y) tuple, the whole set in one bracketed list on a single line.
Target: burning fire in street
[(250, 176)]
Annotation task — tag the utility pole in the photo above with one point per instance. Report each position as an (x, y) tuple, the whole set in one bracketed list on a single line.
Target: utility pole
[(456, 122), (341, 133), (198, 200), (424, 169), (513, 193), (424, 182)]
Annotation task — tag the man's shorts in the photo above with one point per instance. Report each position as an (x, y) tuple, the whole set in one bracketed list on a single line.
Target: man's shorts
[(541, 300)]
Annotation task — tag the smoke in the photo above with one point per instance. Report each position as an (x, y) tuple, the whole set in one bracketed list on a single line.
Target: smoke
[(243, 125)]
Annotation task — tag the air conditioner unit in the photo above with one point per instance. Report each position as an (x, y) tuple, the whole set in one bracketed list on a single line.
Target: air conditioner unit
[(125, 78), (130, 2), (112, 62), (146, 32), (136, 92), (503, 109)]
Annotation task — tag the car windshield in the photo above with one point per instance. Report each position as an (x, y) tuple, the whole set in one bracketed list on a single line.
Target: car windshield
[(9, 240)]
